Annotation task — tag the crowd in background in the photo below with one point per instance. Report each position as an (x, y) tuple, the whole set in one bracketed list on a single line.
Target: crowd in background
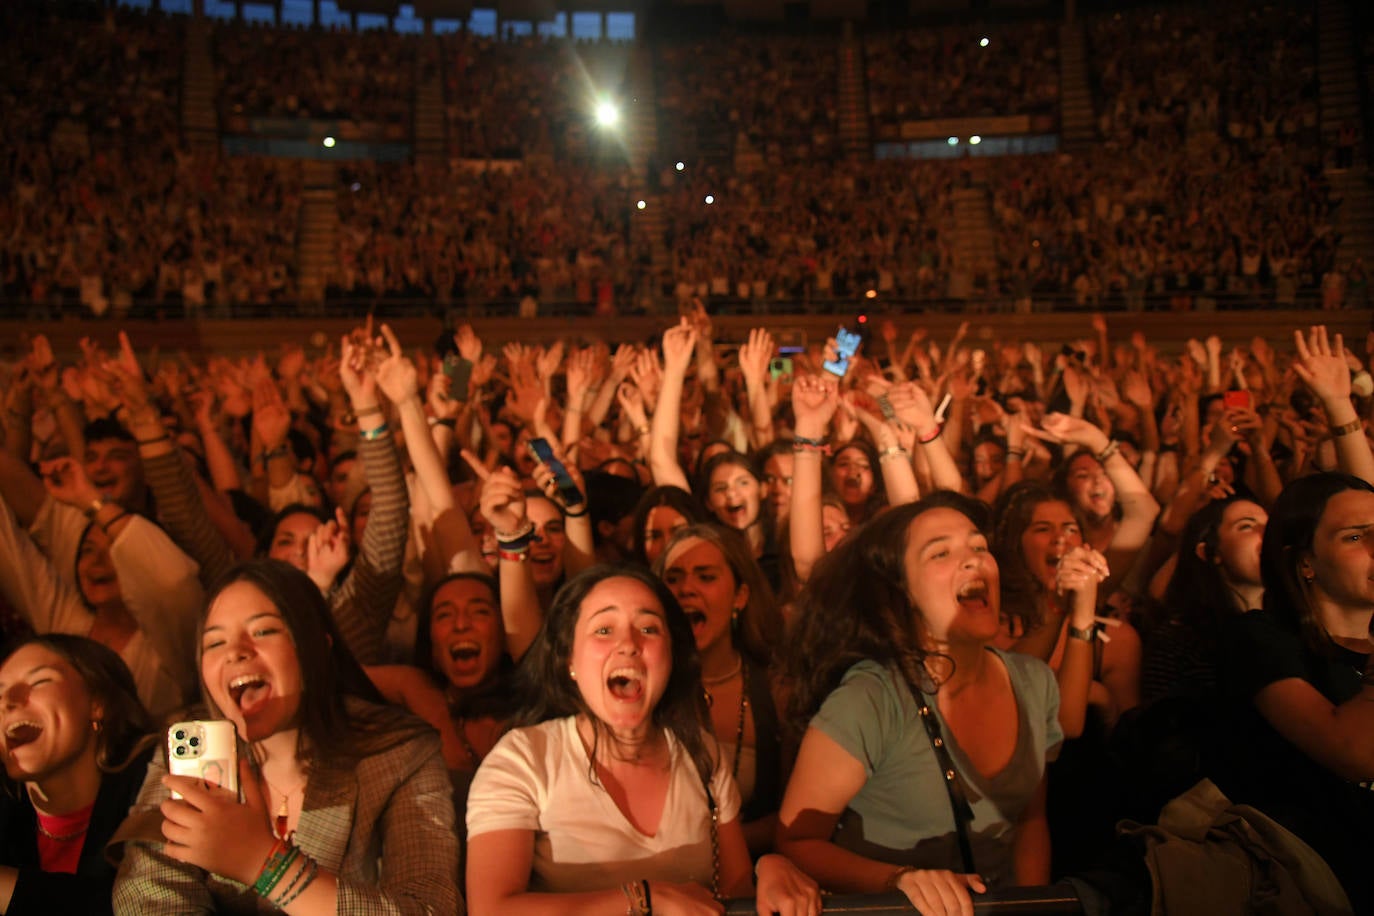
[(1206, 185)]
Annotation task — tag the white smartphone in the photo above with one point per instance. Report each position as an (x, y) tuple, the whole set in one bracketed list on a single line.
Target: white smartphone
[(206, 749)]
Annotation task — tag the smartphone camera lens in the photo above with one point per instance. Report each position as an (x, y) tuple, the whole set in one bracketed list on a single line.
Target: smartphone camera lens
[(180, 750), (194, 742), (179, 734)]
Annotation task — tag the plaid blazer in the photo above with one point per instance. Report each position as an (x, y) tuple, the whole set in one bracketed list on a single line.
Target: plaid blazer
[(384, 828)]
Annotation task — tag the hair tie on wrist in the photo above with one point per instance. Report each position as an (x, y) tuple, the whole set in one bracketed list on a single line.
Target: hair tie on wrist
[(926, 440)]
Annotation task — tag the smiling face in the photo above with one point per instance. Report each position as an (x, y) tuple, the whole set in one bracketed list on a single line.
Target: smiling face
[(465, 631), (989, 458), (734, 495), (248, 663), (659, 526), (1239, 536), (697, 574), (853, 476), (1090, 487), (951, 577), (546, 551), (621, 654), (1341, 562), (95, 571), (1051, 533), (46, 713), (114, 469), (288, 541)]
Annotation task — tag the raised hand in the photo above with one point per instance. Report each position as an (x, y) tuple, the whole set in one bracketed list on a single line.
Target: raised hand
[(1321, 364), (548, 362), (468, 343), (648, 375), (679, 343), (395, 373), (1060, 427), (502, 496), (631, 401), (814, 403), (271, 419), (66, 481), (327, 551), (755, 355), (359, 380), (209, 827)]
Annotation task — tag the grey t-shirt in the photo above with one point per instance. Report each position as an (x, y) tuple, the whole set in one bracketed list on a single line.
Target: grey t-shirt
[(902, 815)]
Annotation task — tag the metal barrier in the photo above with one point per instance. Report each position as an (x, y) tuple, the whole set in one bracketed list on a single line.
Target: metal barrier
[(1057, 900)]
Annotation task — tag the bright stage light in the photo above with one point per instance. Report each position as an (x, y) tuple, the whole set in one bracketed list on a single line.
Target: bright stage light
[(641, 205), (975, 139), (328, 142), (607, 114)]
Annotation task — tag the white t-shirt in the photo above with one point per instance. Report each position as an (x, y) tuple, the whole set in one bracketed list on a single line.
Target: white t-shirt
[(538, 778)]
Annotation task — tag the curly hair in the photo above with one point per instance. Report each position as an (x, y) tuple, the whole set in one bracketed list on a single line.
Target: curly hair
[(858, 606), (547, 690)]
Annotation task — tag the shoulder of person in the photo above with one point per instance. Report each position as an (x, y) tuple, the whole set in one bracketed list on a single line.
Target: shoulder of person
[(1026, 670)]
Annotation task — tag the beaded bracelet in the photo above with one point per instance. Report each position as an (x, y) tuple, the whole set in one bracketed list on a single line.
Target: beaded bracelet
[(893, 451), (516, 540), (1109, 451), (274, 867), (372, 435), (309, 868)]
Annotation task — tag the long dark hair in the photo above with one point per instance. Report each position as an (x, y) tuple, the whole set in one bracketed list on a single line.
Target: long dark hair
[(1287, 541), (858, 607), (757, 630), (1198, 594), (492, 698), (548, 692), (878, 497), (126, 728), (1023, 595), (333, 732)]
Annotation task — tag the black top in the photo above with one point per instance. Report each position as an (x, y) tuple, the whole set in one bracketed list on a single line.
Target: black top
[(87, 891), (1259, 767)]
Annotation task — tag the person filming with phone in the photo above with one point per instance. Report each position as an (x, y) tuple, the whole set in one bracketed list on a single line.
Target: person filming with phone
[(345, 807)]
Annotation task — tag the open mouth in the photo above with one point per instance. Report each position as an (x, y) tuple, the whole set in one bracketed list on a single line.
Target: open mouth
[(464, 651), (249, 692), (625, 684), (974, 595), (22, 732)]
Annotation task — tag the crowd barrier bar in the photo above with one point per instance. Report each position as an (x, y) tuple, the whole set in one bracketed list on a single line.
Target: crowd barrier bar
[(1057, 900)]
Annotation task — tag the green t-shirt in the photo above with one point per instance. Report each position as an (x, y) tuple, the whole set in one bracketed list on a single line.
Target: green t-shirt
[(902, 814)]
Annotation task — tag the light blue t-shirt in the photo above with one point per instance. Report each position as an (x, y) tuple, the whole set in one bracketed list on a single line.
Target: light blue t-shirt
[(902, 815)]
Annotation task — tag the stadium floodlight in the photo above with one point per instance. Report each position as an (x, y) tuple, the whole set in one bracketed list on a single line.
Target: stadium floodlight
[(710, 199), (607, 115), (681, 165), (953, 141), (975, 139), (641, 205), (328, 142), (983, 42)]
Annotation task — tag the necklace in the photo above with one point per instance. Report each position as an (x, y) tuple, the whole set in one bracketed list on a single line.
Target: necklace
[(283, 817), (722, 678), (462, 725), (743, 671), (63, 837)]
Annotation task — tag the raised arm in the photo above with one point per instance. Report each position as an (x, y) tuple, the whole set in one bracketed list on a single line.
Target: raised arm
[(1321, 364), (754, 358), (502, 501), (814, 400), (678, 343)]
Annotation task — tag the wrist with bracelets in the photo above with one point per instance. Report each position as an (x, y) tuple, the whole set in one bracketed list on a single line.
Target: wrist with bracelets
[(1083, 634), (267, 455), (806, 444), (893, 451), (931, 436), (638, 895), (372, 435), (1108, 450)]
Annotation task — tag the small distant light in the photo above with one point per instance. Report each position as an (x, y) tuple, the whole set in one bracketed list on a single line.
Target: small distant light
[(871, 294), (607, 114), (328, 142), (1035, 243), (710, 199), (863, 319), (953, 141), (983, 42), (641, 205), (355, 187), (975, 140), (680, 166)]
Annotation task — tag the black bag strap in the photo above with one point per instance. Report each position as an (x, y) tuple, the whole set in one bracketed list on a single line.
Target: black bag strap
[(954, 783)]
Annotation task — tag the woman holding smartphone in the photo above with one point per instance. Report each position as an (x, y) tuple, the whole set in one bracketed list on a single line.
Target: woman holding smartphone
[(346, 804), (76, 745)]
